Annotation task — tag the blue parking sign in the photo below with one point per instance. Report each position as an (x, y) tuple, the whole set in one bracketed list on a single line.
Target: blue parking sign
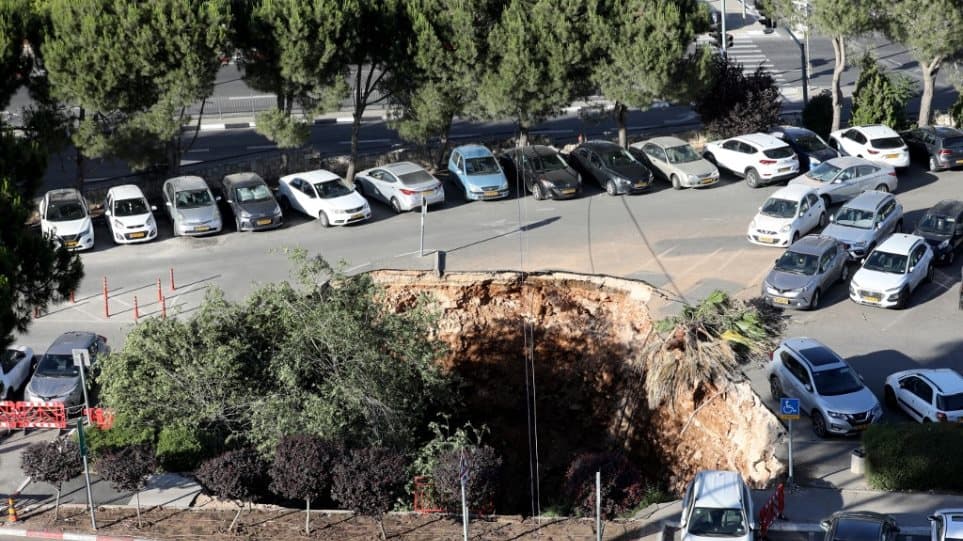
[(789, 408)]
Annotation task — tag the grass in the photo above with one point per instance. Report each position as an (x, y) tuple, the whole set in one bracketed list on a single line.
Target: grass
[(905, 456)]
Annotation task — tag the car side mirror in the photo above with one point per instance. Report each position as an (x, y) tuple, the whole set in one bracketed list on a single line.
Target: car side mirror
[(168, 203), (825, 525), (218, 198), (832, 218), (911, 269), (230, 202), (838, 181), (107, 213), (809, 388), (153, 208), (878, 225), (932, 518)]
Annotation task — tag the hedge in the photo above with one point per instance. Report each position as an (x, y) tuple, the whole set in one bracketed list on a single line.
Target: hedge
[(910, 456)]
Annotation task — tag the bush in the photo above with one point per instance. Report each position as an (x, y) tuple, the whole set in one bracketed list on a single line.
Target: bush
[(124, 433), (880, 97), (180, 448), (367, 481), (735, 104), (52, 462), (128, 468), (302, 469), (239, 475), (622, 488), (818, 113), (956, 112), (483, 466), (914, 456)]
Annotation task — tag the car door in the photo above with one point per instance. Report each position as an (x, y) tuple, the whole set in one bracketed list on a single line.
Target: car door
[(795, 380), (829, 268), (805, 220), (310, 199), (657, 158), (917, 265), (853, 142), (957, 238), (169, 200), (817, 209), (579, 160), (732, 156), (597, 168), (528, 172), (908, 396)]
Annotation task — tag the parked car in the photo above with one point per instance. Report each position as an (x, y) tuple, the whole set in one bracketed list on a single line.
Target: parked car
[(674, 161), (476, 170), (946, 525), (892, 272), (805, 272), (251, 202), (129, 216), (864, 221), (717, 504), (942, 227), (191, 206), (16, 362), (841, 179), (758, 157), (401, 185), (940, 147), (610, 166), (928, 395), (56, 378), (859, 526), (323, 195), (808, 146), (829, 390), (789, 213), (64, 216), (543, 172), (876, 143)]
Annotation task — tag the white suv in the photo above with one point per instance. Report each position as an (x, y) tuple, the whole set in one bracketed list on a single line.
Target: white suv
[(758, 157), (64, 216), (946, 525), (788, 214), (876, 143), (927, 395), (892, 272), (717, 504)]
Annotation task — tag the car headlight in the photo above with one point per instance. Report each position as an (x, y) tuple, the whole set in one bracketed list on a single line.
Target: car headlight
[(277, 212), (858, 244), (877, 411), (619, 180), (945, 244), (579, 177), (118, 225), (785, 228), (245, 215), (893, 290), (693, 178), (835, 414), (752, 224), (180, 217), (150, 221)]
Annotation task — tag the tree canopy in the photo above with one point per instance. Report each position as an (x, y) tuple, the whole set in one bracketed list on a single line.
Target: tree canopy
[(881, 97)]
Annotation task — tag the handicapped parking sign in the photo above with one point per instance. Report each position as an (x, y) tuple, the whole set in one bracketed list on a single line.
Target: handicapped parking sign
[(789, 408)]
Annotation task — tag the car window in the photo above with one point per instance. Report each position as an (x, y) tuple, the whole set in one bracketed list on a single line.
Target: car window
[(853, 217), (417, 177), (810, 143), (459, 163), (886, 210), (57, 366), (804, 205), (917, 255), (307, 189), (731, 145), (295, 184), (682, 154), (886, 262), (596, 162), (847, 174), (936, 224), (831, 252), (797, 263), (824, 172), (714, 522), (130, 207), (865, 170), (813, 199), (63, 211), (855, 136), (254, 192), (192, 199), (778, 208), (887, 142), (836, 381), (746, 148), (547, 161), (825, 261), (779, 153), (9, 359), (331, 189), (923, 391), (795, 368), (485, 165), (950, 402), (655, 152)]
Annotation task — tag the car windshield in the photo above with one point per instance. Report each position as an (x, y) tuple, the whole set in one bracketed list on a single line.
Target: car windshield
[(824, 172), (681, 154), (780, 152), (715, 522), (331, 189), (796, 263), (836, 381), (886, 142), (886, 262), (193, 199), (253, 192), (779, 208), (547, 162), (618, 158), (811, 143), (57, 366), (850, 529), (950, 402), (860, 219), (936, 224), (130, 207), (953, 142), (485, 165), (416, 177), (65, 211)]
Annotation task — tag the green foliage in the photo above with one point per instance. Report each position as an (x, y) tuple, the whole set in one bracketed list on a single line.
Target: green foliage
[(182, 448), (880, 97), (817, 115), (734, 103), (483, 466), (910, 456), (368, 481), (445, 440), (284, 130), (622, 487), (123, 433), (956, 111)]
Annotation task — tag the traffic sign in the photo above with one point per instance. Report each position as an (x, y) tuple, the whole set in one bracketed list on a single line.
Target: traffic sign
[(789, 408), (81, 357)]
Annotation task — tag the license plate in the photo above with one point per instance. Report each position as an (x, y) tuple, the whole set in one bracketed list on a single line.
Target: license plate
[(138, 235), (568, 190), (264, 221), (202, 228), (871, 299), (863, 426), (428, 192), (780, 300), (892, 156), (767, 240), (959, 161), (357, 216), (491, 193), (641, 184), (71, 244), (784, 169), (708, 181)]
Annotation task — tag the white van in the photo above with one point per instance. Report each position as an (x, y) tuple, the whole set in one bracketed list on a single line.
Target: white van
[(717, 504)]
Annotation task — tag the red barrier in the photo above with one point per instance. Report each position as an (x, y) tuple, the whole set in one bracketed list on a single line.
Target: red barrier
[(160, 294), (100, 417), (106, 301), (173, 287), (136, 310), (9, 415), (14, 415), (424, 502), (780, 497), (765, 519)]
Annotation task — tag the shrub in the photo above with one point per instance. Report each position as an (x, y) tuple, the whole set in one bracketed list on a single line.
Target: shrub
[(736, 104), (367, 481), (483, 466), (52, 462), (914, 456), (124, 432), (622, 488), (239, 475), (956, 111), (302, 469), (128, 468), (180, 448), (880, 97), (817, 115)]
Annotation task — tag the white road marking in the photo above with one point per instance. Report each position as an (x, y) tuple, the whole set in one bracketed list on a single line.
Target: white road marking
[(666, 251), (360, 141), (265, 96)]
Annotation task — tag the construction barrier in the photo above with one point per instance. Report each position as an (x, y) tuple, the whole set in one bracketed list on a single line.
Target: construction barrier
[(424, 500), (772, 510), (17, 415), (100, 417)]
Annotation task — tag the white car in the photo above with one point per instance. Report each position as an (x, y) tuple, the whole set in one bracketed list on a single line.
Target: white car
[(876, 143), (893, 271), (129, 216), (841, 179), (401, 185), (64, 216), (717, 505), (928, 395), (323, 195), (788, 214), (760, 158), (15, 365), (946, 525)]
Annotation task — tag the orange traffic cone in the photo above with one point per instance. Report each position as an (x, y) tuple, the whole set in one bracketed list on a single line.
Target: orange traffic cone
[(11, 511)]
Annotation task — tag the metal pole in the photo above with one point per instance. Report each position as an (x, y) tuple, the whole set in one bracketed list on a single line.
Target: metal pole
[(424, 210), (83, 385), (598, 506), (464, 511), (791, 482), (744, 8), (90, 496), (722, 36)]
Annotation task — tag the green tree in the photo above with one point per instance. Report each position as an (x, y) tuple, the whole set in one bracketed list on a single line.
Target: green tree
[(642, 54), (137, 66), (880, 97), (932, 31), (302, 469), (368, 481), (817, 115), (128, 468), (537, 61), (734, 103)]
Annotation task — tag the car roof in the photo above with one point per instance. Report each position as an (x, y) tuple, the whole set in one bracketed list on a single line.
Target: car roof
[(188, 182), (762, 140), (899, 243), (877, 130), (473, 151), (814, 244), (947, 207), (849, 161), (126, 191), (63, 194), (317, 175), (532, 150), (948, 381), (599, 144), (946, 131), (814, 353), (718, 489), (953, 525), (242, 178), (71, 340), (664, 141), (401, 168), (793, 192), (792, 131), (868, 200)]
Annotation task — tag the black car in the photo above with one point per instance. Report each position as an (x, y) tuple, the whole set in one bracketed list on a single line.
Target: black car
[(942, 227), (544, 172), (810, 148), (860, 526), (612, 167), (939, 146), (251, 201)]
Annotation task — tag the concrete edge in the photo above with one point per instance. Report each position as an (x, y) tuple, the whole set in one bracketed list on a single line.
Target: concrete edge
[(784, 526), (44, 534)]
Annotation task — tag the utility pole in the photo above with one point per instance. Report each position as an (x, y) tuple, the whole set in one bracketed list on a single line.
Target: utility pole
[(722, 35), (803, 56)]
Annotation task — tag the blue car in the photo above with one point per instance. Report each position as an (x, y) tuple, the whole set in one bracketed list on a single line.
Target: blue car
[(810, 148), (478, 173)]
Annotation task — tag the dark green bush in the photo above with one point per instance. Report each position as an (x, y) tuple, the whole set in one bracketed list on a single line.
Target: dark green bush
[(956, 111), (123, 433), (622, 486), (818, 113), (180, 448), (483, 466), (907, 456)]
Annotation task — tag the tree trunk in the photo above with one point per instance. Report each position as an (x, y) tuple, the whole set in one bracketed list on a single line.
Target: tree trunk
[(307, 516), (137, 495), (360, 102), (522, 134), (443, 141), (839, 51), (620, 111), (79, 158), (929, 79), (236, 515), (57, 505), (381, 525)]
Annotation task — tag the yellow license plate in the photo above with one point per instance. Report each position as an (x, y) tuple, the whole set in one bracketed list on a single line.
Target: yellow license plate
[(568, 190), (138, 235), (426, 192), (71, 244), (357, 216), (780, 300), (708, 181), (264, 221), (767, 240), (202, 228), (491, 193), (871, 299), (959, 161), (641, 184), (784, 169), (861, 427), (892, 156)]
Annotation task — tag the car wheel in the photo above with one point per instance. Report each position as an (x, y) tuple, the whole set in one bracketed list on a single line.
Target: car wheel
[(844, 275), (882, 188), (676, 184), (934, 166), (395, 205), (610, 188), (323, 218), (774, 388), (889, 397), (237, 224), (930, 272), (899, 227), (537, 192), (903, 299), (752, 178), (819, 425), (286, 205), (823, 220), (950, 257), (814, 302)]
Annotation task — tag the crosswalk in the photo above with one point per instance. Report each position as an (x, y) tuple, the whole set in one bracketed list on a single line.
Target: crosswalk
[(747, 53)]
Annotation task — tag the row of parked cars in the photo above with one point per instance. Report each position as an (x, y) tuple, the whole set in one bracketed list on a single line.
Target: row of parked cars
[(52, 376)]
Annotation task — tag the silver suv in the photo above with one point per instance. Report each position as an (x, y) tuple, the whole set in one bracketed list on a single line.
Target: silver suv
[(865, 221), (828, 389), (805, 271)]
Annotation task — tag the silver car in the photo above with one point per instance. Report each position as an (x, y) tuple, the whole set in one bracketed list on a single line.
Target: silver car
[(673, 160), (841, 179), (57, 379), (804, 272), (865, 221), (191, 206), (829, 391), (402, 186)]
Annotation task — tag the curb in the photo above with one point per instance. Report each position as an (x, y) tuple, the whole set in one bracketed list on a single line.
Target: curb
[(43, 534), (221, 126), (803, 527)]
